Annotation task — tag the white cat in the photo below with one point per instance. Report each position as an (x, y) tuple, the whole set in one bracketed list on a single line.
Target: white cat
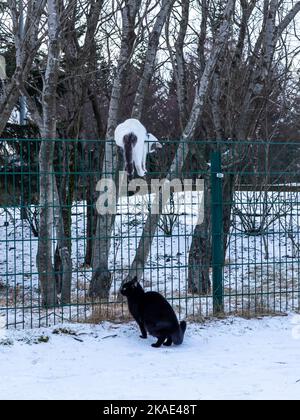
[(133, 138)]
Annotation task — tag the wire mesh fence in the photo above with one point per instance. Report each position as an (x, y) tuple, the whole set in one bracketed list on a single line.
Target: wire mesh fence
[(229, 246)]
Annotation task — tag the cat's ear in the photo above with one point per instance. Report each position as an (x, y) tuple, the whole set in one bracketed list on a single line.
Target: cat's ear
[(155, 143)]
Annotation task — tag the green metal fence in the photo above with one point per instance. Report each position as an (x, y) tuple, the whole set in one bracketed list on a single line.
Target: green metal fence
[(231, 246)]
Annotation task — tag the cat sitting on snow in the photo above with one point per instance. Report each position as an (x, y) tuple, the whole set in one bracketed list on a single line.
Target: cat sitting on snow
[(153, 314), (133, 138)]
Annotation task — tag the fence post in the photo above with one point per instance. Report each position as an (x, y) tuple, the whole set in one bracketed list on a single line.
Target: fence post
[(217, 231)]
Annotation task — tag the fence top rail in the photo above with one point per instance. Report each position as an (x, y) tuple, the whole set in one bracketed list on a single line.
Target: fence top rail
[(216, 142)]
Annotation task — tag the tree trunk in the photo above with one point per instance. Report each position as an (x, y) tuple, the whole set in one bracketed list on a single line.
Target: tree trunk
[(178, 63), (101, 280), (200, 250), (62, 251), (49, 203), (93, 155), (26, 49), (150, 58), (45, 241), (63, 200), (91, 222), (228, 198), (7, 104)]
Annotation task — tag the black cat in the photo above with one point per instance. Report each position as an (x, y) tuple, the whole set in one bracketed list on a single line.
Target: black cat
[(153, 314)]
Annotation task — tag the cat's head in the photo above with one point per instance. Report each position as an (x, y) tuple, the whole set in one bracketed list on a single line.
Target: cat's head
[(131, 287), (154, 143)]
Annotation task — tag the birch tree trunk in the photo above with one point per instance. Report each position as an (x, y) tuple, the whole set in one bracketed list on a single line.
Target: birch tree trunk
[(25, 53), (178, 63), (45, 242), (150, 58), (101, 280), (150, 227), (8, 102), (49, 205)]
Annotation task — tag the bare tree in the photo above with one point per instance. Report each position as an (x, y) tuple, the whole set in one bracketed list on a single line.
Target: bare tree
[(252, 82), (256, 86), (101, 281), (26, 45)]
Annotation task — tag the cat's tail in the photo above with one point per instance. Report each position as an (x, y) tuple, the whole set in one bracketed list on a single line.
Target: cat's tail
[(129, 140), (178, 336), (183, 327)]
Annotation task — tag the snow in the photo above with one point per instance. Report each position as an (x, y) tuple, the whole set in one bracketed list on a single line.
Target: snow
[(232, 358)]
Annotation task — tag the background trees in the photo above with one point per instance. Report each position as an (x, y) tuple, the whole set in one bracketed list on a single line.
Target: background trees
[(189, 69)]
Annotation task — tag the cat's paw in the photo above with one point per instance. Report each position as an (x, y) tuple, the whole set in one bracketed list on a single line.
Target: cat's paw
[(143, 337), (168, 343), (155, 345), (141, 173)]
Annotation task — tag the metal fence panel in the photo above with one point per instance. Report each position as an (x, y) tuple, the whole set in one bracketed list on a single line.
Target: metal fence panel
[(241, 257)]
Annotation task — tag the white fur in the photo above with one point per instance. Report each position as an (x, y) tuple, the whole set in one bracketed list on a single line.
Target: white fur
[(145, 143)]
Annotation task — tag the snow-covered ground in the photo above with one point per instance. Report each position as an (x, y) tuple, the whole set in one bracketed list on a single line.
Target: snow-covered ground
[(229, 359)]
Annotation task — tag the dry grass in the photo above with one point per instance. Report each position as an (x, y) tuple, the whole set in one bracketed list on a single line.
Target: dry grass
[(256, 315), (259, 310), (197, 319), (12, 296), (112, 312)]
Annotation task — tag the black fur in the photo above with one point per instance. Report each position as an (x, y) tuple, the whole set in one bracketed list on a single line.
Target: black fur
[(130, 140), (154, 315)]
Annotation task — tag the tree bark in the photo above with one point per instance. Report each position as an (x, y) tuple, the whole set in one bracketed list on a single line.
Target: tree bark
[(228, 198), (25, 53), (48, 189), (101, 280), (150, 58), (200, 250), (178, 63), (63, 250), (45, 242)]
